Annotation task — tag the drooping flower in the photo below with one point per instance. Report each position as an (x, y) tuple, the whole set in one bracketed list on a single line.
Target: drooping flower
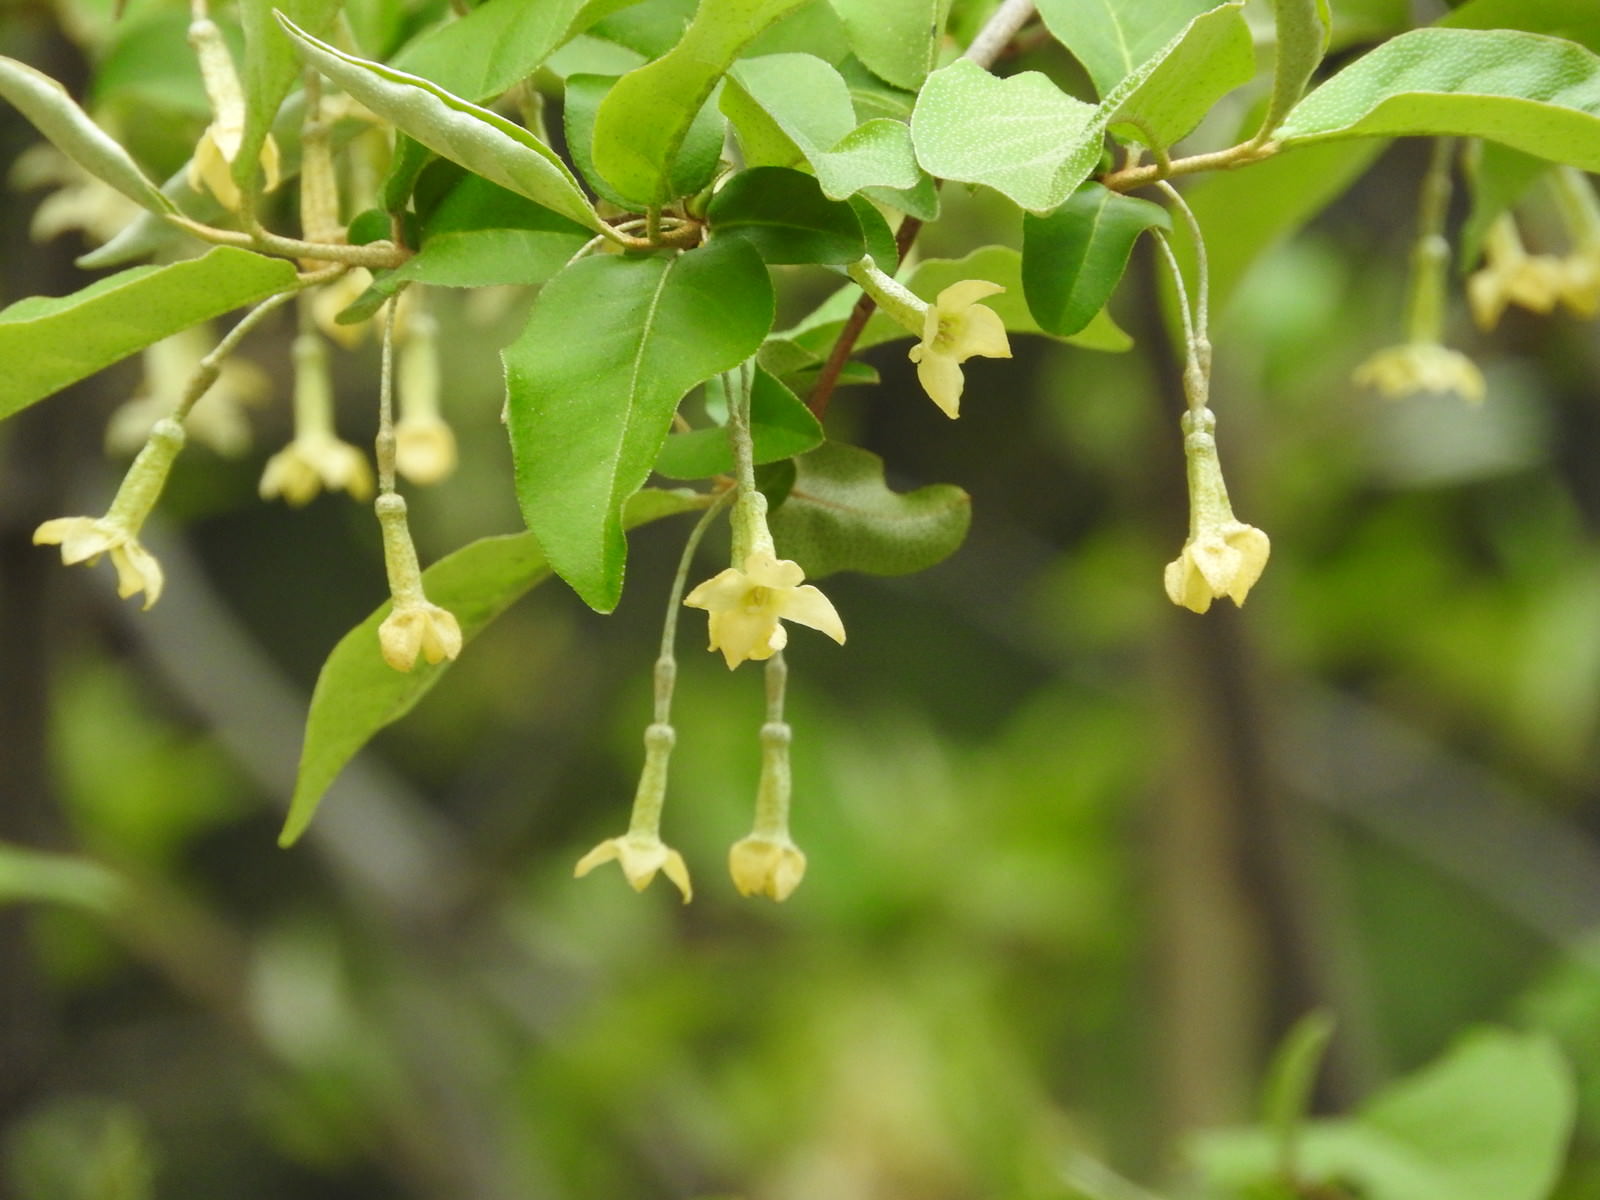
[(425, 445), (747, 605), (311, 462), (1420, 368), (1580, 281), (418, 626), (212, 163), (955, 328), (1222, 555), (1511, 275), (766, 865), (640, 855), (217, 420)]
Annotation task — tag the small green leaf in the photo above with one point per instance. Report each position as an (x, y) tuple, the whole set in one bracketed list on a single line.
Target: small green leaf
[(1534, 93), (780, 424), (270, 69), (28, 875), (1286, 1094), (1303, 29), (56, 115), (1113, 39), (1073, 259), (1022, 135), (898, 40), (611, 346), (357, 693), (692, 170), (481, 141), (785, 216), (1559, 18), (840, 515), (50, 342), (1176, 87), (491, 47), (643, 122)]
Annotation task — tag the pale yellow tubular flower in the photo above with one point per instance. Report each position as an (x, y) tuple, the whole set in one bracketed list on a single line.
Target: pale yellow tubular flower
[(79, 201), (425, 445), (217, 420), (418, 627), (746, 605), (1511, 275), (331, 299), (1421, 368), (211, 166), (766, 865), (640, 855), (955, 328), (316, 457), (1222, 556)]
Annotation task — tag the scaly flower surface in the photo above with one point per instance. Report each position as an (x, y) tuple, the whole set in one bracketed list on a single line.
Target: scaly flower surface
[(640, 855), (1224, 559), (85, 539), (747, 606), (1420, 368), (311, 462), (955, 328), (770, 866), (418, 627)]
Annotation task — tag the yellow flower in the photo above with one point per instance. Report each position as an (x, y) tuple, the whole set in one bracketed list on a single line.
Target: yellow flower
[(1421, 367), (1513, 276), (418, 626), (769, 866), (424, 448), (1580, 281), (85, 539), (218, 420), (212, 163), (1224, 559), (954, 328), (747, 605), (331, 299), (311, 462), (640, 855)]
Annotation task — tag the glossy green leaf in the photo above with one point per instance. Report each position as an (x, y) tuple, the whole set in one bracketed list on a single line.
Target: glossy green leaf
[(357, 693), (482, 141), (1303, 28), (611, 346), (644, 120), (781, 427), (50, 342), (271, 67), (1534, 93), (1176, 87), (491, 47), (1022, 135), (692, 170), (29, 875), (56, 115), (898, 40), (1112, 38), (1073, 258), (840, 515), (785, 216)]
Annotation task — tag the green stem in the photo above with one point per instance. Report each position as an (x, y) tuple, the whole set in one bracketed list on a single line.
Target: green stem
[(1430, 256)]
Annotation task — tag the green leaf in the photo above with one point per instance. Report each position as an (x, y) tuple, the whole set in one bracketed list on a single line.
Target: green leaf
[(1559, 18), (35, 875), (1073, 258), (785, 216), (491, 47), (1112, 38), (840, 515), (692, 170), (270, 68), (1303, 30), (611, 345), (1489, 1121), (1022, 136), (55, 114), (877, 159), (50, 342), (1175, 88), (481, 141), (898, 40), (357, 693), (1500, 177), (1286, 1095), (644, 120), (780, 424), (1534, 93)]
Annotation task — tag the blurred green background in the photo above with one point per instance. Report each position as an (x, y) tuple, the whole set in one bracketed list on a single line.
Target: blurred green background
[(1078, 858)]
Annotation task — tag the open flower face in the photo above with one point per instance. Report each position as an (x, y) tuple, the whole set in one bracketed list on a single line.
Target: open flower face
[(419, 628), (640, 856), (955, 328), (85, 539), (766, 866), (747, 605), (1221, 560), (1421, 368), (312, 462)]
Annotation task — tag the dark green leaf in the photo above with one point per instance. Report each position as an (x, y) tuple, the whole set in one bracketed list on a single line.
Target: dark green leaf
[(780, 425), (786, 217), (692, 170), (1073, 259)]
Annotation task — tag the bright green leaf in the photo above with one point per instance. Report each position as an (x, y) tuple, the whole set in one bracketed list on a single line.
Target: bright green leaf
[(1534, 93), (611, 346), (50, 342), (840, 515), (1559, 18), (28, 875), (692, 170), (357, 693), (784, 214), (1286, 1094), (780, 425), (1073, 258), (1208, 58), (491, 47), (1303, 29), (481, 141), (644, 120), (898, 40), (56, 115), (1113, 38), (271, 67)]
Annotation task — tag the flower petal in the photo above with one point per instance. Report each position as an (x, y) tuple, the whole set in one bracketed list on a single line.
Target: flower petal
[(808, 606), (603, 853), (674, 869), (721, 592), (766, 570), (741, 635), (982, 333), (941, 378), (137, 570), (964, 294), (1186, 587)]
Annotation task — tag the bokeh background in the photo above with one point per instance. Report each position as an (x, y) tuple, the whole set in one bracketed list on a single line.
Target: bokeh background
[(1078, 858)]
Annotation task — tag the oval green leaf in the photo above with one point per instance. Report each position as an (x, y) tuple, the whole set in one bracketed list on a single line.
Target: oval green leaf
[(785, 216), (1073, 258)]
